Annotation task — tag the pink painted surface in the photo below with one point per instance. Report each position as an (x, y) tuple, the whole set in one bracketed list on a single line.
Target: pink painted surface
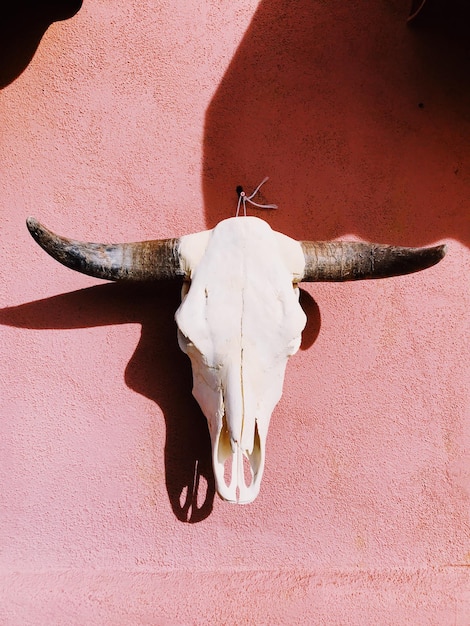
[(137, 120)]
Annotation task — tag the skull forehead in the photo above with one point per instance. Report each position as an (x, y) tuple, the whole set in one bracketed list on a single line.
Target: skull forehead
[(241, 290)]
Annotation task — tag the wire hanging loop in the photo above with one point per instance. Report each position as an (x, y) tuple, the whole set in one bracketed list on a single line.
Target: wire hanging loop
[(243, 199)]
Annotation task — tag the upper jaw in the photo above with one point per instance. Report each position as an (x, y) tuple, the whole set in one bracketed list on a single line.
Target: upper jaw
[(229, 463)]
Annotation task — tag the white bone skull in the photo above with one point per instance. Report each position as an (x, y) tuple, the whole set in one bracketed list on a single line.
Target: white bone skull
[(240, 317), (238, 323)]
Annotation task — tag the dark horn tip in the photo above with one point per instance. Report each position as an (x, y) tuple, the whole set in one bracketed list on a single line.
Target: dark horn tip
[(33, 225), (442, 250), (436, 253)]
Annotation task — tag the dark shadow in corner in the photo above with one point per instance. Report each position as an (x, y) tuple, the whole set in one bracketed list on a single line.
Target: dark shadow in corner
[(22, 26), (448, 17), (360, 121), (158, 370), (441, 40)]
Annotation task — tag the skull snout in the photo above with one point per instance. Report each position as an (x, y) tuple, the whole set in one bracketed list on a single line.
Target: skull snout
[(238, 468)]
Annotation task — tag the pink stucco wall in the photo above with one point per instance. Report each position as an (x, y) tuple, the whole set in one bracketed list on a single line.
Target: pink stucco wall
[(136, 120)]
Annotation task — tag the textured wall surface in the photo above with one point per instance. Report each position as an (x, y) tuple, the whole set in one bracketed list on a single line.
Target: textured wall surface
[(137, 120)]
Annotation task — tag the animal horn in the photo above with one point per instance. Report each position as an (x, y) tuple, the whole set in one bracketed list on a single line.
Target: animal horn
[(341, 261), (143, 261)]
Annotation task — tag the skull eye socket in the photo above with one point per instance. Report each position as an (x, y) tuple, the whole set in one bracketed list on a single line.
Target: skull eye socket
[(185, 343), (185, 288), (184, 339)]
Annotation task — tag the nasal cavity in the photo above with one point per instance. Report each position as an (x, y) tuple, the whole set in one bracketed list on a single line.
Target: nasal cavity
[(228, 470), (231, 458), (247, 472), (230, 466)]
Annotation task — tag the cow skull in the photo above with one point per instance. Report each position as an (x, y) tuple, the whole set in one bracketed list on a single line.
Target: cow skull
[(240, 317)]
